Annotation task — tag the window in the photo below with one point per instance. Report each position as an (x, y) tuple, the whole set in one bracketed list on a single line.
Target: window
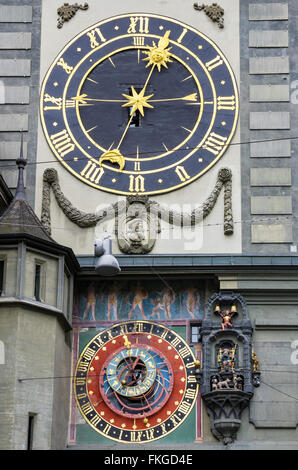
[(1, 275), (37, 282), (31, 422), (194, 333)]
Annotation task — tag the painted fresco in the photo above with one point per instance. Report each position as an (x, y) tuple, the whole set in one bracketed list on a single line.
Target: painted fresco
[(136, 300)]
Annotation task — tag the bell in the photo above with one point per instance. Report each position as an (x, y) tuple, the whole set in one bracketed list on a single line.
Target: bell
[(234, 308), (217, 308)]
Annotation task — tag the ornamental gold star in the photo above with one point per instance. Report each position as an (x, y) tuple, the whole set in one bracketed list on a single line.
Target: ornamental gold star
[(138, 101)]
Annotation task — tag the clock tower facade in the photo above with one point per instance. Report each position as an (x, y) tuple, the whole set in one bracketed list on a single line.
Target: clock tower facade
[(167, 128)]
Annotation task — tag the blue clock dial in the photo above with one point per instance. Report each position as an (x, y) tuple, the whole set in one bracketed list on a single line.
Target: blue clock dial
[(139, 104)]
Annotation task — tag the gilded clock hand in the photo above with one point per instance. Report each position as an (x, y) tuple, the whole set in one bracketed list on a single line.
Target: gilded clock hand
[(132, 100), (158, 56)]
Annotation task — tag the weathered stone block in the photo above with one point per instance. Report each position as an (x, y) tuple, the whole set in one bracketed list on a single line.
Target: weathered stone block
[(270, 120), (275, 148), (271, 233), (268, 65), (270, 176), (268, 11), (269, 93), (15, 67), (271, 38), (13, 122), (11, 150), (15, 40), (271, 205), (15, 14), (15, 95)]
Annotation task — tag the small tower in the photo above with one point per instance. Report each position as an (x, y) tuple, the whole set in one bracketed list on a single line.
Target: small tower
[(36, 276)]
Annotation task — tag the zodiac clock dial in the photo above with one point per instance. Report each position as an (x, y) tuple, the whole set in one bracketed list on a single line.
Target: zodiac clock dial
[(135, 382), (139, 104)]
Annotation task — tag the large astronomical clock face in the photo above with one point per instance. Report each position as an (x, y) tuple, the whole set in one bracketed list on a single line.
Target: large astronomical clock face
[(139, 103), (135, 382)]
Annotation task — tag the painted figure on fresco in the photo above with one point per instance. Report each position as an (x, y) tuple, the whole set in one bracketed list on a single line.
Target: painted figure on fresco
[(192, 301), (158, 305), (163, 302), (139, 295), (125, 300), (91, 299), (168, 298), (112, 301)]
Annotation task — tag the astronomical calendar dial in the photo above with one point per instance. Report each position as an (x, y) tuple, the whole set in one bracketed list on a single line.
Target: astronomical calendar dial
[(139, 103), (135, 382)]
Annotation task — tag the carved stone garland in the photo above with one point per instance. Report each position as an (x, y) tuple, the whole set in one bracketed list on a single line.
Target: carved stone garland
[(137, 218)]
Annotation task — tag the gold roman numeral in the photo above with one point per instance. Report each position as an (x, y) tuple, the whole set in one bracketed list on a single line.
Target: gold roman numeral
[(67, 68), (137, 166), (86, 408), (184, 352), (175, 342), (164, 334), (92, 172), (107, 429), (226, 102), (212, 64), (62, 143), (123, 330), (138, 328), (182, 35), (190, 393), (57, 102), (138, 24), (136, 184), (88, 354), (95, 34), (83, 366), (191, 379), (95, 420), (80, 381), (138, 41), (184, 407), (214, 143), (182, 174)]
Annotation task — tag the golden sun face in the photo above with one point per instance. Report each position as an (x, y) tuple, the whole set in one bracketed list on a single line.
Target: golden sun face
[(159, 54)]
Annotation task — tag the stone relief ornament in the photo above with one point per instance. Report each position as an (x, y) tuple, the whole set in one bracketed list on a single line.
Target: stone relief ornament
[(137, 227), (214, 11), (67, 11), (137, 219)]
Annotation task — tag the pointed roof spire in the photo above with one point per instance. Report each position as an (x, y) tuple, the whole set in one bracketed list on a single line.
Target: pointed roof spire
[(21, 163), (19, 217)]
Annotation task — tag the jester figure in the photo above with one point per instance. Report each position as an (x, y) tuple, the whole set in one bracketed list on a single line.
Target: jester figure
[(226, 319)]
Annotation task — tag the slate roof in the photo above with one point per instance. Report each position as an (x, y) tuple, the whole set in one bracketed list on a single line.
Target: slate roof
[(19, 217)]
